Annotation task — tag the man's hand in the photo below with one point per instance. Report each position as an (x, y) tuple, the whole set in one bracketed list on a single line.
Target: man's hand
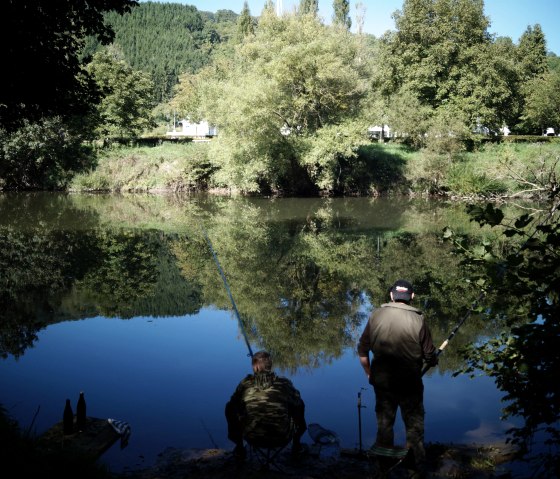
[(364, 361), (433, 360)]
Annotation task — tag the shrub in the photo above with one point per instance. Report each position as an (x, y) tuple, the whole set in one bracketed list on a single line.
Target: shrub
[(43, 155)]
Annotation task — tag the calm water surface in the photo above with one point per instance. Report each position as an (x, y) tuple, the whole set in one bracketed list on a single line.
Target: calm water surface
[(120, 297)]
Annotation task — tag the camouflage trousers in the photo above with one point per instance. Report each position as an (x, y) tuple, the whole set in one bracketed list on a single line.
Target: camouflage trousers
[(411, 403)]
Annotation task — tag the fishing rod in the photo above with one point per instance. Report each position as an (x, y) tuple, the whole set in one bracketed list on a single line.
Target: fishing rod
[(228, 290), (455, 329)]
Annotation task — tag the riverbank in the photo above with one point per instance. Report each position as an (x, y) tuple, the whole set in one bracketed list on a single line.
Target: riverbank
[(493, 170), (444, 461)]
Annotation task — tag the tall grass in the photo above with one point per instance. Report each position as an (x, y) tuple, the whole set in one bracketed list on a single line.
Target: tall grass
[(494, 169), (167, 167)]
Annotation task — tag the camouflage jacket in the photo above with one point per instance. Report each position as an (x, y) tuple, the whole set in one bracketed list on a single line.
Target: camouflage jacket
[(267, 405)]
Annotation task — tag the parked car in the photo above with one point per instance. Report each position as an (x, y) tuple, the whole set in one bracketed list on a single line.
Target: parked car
[(549, 132)]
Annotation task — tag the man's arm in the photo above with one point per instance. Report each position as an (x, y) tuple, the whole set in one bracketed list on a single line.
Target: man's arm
[(429, 351), (296, 405), (363, 350), (364, 361)]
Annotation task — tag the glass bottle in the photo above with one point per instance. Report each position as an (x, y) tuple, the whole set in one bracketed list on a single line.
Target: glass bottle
[(81, 412), (68, 419)]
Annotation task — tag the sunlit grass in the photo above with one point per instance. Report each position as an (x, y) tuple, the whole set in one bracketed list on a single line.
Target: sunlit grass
[(493, 170)]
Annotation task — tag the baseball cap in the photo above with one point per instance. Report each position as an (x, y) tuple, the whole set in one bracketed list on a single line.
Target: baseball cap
[(402, 290)]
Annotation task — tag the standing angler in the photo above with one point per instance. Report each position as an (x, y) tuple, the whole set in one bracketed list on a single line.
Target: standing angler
[(400, 341)]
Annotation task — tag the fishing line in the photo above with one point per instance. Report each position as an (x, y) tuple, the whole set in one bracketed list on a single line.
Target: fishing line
[(209, 435), (227, 290)]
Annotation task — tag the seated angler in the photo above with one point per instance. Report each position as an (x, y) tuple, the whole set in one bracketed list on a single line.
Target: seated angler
[(266, 410)]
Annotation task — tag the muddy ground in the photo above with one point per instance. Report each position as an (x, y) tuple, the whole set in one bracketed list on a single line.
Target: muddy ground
[(444, 461)]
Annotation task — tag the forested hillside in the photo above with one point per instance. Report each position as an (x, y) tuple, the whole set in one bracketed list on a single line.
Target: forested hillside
[(167, 39)]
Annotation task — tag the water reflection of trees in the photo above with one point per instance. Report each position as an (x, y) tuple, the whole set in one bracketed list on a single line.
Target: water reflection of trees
[(303, 283), (303, 286), (52, 276)]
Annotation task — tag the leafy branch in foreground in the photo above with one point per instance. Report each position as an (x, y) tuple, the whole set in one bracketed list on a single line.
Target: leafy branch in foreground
[(524, 358)]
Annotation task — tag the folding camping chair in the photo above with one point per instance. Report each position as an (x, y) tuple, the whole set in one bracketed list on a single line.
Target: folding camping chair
[(387, 458), (267, 451)]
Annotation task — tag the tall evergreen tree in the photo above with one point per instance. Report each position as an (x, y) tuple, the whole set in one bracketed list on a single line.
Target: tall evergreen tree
[(532, 52), (341, 13), (245, 24), (168, 39), (308, 7)]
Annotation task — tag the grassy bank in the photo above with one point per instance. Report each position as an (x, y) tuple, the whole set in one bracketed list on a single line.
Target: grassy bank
[(492, 170), (166, 167)]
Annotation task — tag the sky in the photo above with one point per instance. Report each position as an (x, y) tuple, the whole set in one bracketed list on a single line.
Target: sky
[(509, 18)]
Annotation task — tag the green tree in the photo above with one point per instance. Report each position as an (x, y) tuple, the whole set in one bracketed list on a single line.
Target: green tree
[(531, 52), (408, 116), (42, 155), (542, 103), (442, 53), (245, 25), (487, 88), (45, 42), (127, 102), (341, 13), (307, 7), (186, 101), (431, 37), (295, 77)]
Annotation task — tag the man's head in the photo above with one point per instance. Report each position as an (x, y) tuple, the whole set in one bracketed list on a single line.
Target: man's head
[(402, 291), (261, 361)]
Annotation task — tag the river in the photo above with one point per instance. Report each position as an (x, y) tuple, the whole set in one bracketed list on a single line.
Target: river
[(122, 298)]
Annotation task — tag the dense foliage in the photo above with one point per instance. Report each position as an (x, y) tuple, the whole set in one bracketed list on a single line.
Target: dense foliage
[(42, 155), (524, 280), (441, 61), (125, 108), (288, 106), (44, 41)]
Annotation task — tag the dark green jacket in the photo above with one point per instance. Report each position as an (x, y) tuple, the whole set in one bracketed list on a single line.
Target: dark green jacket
[(400, 340)]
